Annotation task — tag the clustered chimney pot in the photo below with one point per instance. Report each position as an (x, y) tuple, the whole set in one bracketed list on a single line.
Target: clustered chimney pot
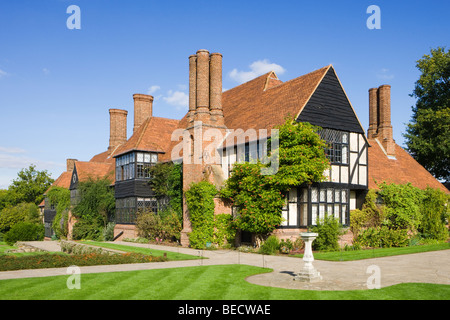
[(205, 88)]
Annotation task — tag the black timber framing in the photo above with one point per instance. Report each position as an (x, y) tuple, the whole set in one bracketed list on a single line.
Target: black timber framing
[(329, 107), (133, 188)]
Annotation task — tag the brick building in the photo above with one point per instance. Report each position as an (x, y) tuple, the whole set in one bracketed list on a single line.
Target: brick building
[(357, 161)]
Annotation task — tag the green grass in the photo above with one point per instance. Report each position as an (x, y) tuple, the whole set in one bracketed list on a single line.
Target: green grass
[(171, 256), (222, 282), (375, 253)]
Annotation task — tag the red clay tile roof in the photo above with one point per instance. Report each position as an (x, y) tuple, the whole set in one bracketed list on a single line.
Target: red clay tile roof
[(86, 170), (62, 181), (153, 135), (264, 102), (401, 171)]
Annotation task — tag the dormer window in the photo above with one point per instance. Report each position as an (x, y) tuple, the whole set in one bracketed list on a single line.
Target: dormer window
[(135, 165)]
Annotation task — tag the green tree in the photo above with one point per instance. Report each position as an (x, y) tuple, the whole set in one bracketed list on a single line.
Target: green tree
[(23, 212), (5, 199), (427, 137), (29, 186), (259, 198)]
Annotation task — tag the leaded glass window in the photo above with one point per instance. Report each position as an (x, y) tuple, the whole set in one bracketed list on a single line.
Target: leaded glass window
[(337, 145)]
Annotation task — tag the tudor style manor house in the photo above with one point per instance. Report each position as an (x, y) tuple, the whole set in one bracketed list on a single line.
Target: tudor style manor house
[(358, 161)]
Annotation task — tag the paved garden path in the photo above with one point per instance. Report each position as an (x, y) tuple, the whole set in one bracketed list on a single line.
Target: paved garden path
[(428, 267)]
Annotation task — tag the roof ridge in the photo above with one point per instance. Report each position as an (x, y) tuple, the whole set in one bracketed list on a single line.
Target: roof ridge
[(250, 81)]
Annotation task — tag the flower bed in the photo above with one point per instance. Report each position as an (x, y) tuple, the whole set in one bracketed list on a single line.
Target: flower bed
[(80, 255)]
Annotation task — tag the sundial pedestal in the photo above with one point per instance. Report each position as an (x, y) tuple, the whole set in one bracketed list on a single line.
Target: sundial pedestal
[(308, 272)]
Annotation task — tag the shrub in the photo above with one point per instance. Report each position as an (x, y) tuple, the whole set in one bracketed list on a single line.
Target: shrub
[(86, 230), (298, 244), (270, 246), (371, 215), (149, 225), (24, 231), (47, 260), (171, 226), (435, 209), (329, 230), (152, 226), (108, 232), (382, 237), (402, 203), (286, 246)]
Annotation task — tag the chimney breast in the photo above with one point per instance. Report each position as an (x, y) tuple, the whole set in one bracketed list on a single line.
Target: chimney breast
[(117, 127), (143, 105)]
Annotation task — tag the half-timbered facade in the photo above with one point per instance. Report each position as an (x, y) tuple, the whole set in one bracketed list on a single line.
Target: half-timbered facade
[(357, 161)]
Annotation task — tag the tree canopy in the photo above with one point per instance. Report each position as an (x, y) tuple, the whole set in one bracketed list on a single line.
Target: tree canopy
[(29, 186), (427, 137)]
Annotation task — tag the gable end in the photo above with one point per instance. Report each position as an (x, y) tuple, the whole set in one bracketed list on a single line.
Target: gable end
[(329, 106)]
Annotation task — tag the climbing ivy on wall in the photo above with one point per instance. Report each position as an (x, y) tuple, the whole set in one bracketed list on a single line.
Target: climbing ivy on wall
[(200, 203)]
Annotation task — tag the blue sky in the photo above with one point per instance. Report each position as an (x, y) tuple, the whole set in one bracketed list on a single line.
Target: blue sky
[(57, 84)]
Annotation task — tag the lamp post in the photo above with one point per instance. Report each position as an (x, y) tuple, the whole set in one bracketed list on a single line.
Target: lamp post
[(308, 273)]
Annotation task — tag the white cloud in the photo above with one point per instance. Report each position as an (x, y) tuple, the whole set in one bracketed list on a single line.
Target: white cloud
[(178, 99), (384, 74), (20, 162), (3, 73), (45, 71), (11, 150), (257, 68), (153, 89)]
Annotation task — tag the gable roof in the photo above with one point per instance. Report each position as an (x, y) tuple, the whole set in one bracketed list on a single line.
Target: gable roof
[(85, 170), (401, 170), (266, 101), (329, 106)]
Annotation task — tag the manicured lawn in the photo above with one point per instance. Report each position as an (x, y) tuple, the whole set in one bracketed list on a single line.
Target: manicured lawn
[(375, 253), (196, 283), (170, 255)]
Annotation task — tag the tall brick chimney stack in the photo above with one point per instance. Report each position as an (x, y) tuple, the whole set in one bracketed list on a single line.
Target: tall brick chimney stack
[(385, 134), (192, 86), (205, 106), (143, 105), (380, 126), (373, 113), (202, 92), (117, 127), (215, 91)]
